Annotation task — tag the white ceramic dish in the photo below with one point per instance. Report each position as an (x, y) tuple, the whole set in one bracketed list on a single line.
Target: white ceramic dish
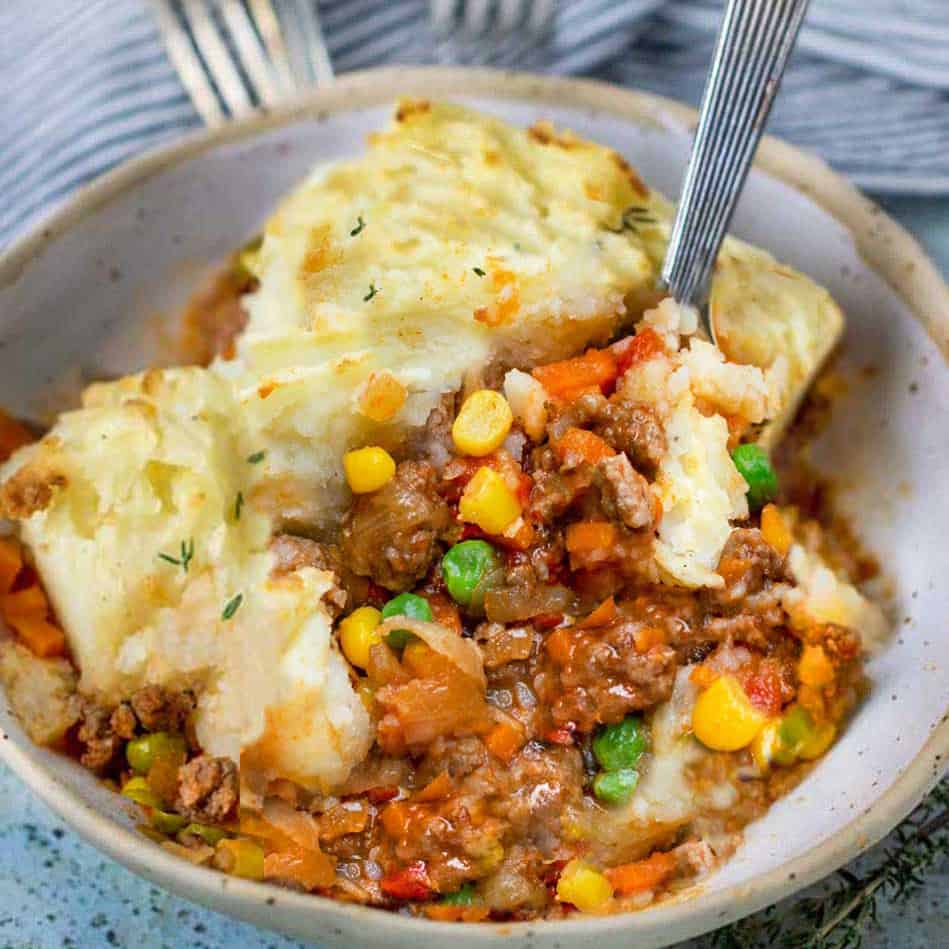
[(83, 293)]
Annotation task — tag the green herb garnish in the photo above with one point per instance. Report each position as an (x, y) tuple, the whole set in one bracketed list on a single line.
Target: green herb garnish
[(478, 271), (358, 229), (372, 292), (232, 606), (185, 557), (238, 504), (256, 457)]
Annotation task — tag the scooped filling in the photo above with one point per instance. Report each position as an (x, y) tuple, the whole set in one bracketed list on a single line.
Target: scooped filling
[(461, 582)]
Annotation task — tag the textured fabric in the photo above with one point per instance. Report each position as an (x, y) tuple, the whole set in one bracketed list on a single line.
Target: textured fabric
[(86, 83)]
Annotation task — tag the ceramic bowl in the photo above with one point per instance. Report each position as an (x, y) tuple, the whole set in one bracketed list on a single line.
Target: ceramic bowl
[(89, 294)]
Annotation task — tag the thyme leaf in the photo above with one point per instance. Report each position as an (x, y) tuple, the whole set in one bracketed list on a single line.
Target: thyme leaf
[(232, 606), (478, 271), (256, 457), (185, 557), (238, 504), (360, 226), (372, 292)]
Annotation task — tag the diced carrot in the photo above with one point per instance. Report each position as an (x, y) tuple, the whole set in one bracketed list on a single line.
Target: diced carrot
[(596, 367), (577, 445), (642, 875), (590, 543), (504, 741), (11, 562), (703, 676), (436, 789), (309, 868), (395, 819), (29, 602), (603, 615), (560, 645), (636, 349), (646, 637), (13, 435), (41, 637), (447, 913)]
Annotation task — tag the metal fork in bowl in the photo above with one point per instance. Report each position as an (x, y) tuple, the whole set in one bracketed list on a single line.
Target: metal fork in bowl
[(234, 56), (754, 43)]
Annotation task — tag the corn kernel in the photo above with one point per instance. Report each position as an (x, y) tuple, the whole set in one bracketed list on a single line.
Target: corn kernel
[(482, 424), (584, 887), (723, 718), (814, 668), (775, 529), (358, 634), (240, 857), (488, 502), (368, 469)]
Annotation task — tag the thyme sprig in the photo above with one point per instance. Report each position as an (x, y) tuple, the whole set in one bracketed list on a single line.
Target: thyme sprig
[(185, 558), (632, 219), (848, 909)]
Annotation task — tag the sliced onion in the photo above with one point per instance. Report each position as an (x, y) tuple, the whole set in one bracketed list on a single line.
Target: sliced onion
[(516, 604), (462, 652), (299, 826)]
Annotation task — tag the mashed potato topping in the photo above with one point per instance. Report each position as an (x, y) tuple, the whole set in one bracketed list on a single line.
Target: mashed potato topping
[(455, 249)]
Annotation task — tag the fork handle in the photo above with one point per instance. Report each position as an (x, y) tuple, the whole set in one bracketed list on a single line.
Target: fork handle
[(754, 42)]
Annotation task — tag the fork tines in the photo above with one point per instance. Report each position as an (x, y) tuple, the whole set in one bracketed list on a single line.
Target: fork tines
[(236, 55)]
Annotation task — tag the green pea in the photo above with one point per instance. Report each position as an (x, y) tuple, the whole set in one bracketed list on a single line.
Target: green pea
[(796, 727), (138, 790), (621, 745), (167, 822), (753, 465), (615, 787), (410, 605), (465, 567), (466, 896), (210, 835), (142, 752)]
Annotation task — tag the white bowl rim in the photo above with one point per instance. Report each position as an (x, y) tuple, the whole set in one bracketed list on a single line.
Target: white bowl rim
[(886, 247)]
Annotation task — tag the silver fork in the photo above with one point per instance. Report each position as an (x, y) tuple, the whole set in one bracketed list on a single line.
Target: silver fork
[(754, 43), (234, 56), (482, 18)]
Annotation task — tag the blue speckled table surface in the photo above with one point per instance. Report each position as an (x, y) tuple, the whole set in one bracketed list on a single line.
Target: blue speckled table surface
[(56, 891)]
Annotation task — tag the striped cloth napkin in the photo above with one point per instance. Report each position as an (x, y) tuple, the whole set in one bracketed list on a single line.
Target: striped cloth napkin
[(86, 83)]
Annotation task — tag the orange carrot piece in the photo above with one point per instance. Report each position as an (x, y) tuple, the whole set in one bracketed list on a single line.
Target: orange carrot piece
[(603, 615), (596, 367), (577, 445), (439, 787), (447, 913), (646, 637), (11, 563), (29, 602), (587, 536), (40, 636), (560, 645), (504, 741), (642, 875), (13, 435), (636, 349)]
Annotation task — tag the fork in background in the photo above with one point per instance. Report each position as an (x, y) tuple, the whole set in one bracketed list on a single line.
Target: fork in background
[(237, 55), (500, 32)]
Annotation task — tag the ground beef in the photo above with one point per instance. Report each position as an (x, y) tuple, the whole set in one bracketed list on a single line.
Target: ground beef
[(624, 493), (98, 739), (605, 677), (748, 565), (627, 426), (433, 442), (162, 710), (293, 553), (124, 722), (208, 789), (635, 429), (391, 535)]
